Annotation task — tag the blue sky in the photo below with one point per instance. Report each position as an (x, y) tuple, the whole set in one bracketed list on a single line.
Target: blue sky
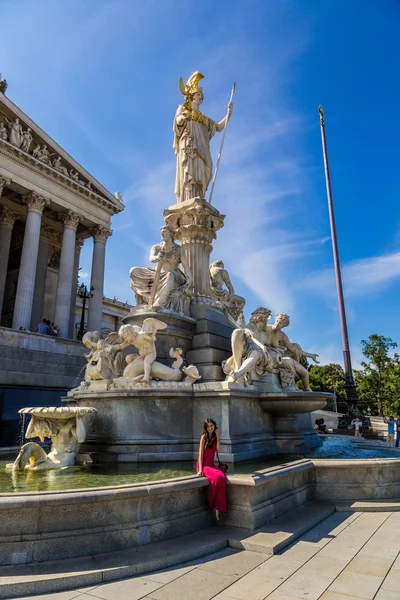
[(101, 77)]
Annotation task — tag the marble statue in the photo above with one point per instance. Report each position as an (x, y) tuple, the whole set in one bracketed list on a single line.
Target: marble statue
[(42, 153), (74, 175), (36, 152), (144, 339), (291, 353), (15, 133), (3, 84), (166, 287), (27, 140), (262, 348), (250, 350), (105, 360), (118, 196), (192, 134), (58, 166), (64, 426), (232, 303), (3, 132), (143, 367)]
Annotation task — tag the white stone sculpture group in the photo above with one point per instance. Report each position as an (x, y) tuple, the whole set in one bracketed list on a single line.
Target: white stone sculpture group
[(14, 133), (64, 426), (106, 361), (166, 287), (259, 349)]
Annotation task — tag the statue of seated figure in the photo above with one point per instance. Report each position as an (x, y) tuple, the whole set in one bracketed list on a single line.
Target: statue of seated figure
[(250, 351), (167, 286), (291, 353), (232, 303), (262, 348)]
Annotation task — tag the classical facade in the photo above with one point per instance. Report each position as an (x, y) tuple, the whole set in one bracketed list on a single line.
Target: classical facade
[(49, 206)]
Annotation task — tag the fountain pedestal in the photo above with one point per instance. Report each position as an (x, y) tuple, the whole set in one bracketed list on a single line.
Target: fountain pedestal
[(162, 423)]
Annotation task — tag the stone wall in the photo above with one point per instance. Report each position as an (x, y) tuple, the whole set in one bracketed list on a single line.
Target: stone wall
[(37, 527), (35, 370)]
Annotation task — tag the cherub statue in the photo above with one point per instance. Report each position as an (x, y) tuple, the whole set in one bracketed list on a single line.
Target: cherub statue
[(232, 303), (143, 367), (144, 339), (105, 360)]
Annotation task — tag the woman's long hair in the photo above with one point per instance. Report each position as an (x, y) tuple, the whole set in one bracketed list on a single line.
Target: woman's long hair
[(209, 442)]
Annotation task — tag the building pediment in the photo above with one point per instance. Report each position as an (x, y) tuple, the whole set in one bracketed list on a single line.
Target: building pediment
[(25, 141)]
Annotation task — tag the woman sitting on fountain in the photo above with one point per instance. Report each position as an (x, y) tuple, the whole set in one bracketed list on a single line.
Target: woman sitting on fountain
[(209, 444)]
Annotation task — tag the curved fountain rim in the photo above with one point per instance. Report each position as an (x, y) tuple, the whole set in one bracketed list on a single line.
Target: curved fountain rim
[(59, 412), (245, 477)]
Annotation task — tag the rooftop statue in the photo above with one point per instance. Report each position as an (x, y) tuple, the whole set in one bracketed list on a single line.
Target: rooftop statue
[(192, 134), (166, 287)]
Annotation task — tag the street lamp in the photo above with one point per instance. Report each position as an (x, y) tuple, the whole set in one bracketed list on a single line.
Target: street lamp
[(85, 295)]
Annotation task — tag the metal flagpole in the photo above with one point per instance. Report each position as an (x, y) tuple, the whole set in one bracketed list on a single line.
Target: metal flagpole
[(350, 385), (221, 147)]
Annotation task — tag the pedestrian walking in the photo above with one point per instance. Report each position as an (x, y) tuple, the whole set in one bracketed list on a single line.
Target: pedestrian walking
[(397, 426), (390, 434), (357, 426)]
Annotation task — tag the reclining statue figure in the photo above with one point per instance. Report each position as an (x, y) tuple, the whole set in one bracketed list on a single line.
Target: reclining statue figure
[(106, 361), (260, 348)]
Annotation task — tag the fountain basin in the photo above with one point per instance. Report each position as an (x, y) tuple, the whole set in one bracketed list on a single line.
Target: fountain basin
[(45, 526), (282, 404)]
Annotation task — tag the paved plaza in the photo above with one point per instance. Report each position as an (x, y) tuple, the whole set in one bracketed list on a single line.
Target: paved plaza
[(346, 556)]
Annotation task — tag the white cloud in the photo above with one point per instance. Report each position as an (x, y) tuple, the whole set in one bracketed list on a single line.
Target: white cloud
[(360, 277)]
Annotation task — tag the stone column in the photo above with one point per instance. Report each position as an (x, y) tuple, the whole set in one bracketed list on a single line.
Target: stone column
[(7, 219), (195, 225), (100, 235), (40, 284), (66, 273), (27, 269), (78, 245)]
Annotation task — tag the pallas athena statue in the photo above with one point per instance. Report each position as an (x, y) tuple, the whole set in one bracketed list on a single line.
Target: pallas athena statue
[(192, 134)]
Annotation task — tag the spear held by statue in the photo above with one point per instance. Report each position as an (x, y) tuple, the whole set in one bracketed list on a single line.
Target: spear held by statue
[(222, 145)]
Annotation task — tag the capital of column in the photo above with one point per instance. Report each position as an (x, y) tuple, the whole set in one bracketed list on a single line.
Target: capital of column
[(78, 244), (50, 234), (101, 234), (196, 222), (70, 220), (3, 182), (7, 216), (35, 202)]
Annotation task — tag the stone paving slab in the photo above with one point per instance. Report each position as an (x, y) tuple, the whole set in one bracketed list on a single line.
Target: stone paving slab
[(66, 574), (363, 564)]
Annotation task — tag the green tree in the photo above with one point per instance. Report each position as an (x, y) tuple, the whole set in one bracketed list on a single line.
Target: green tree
[(329, 378), (378, 371)]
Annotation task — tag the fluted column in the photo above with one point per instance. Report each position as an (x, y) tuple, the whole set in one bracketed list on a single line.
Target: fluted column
[(7, 219), (66, 272), (27, 269), (71, 331), (195, 226), (40, 283), (100, 235)]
